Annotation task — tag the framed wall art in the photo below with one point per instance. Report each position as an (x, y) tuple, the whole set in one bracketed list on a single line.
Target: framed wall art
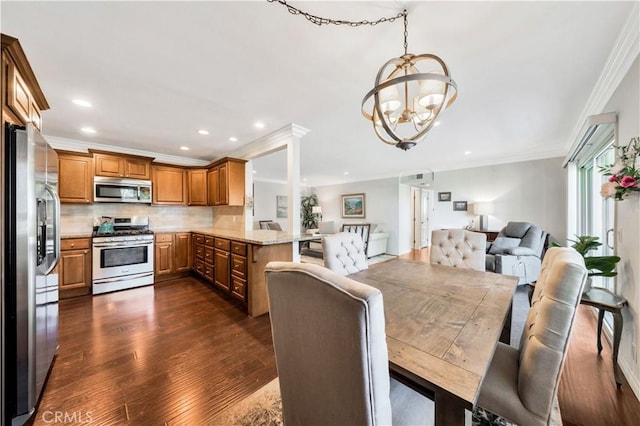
[(459, 206), (444, 196), (353, 206), (281, 206)]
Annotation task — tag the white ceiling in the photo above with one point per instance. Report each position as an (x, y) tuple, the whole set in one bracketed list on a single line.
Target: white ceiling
[(156, 72)]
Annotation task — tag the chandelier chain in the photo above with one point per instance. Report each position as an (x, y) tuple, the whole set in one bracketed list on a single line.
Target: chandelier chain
[(318, 20), (406, 31)]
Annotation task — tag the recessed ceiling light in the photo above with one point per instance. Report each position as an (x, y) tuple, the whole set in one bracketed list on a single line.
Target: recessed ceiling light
[(259, 125), (437, 123), (203, 132), (305, 179), (233, 139), (184, 148), (88, 130), (346, 173), (254, 171), (82, 103), (467, 152)]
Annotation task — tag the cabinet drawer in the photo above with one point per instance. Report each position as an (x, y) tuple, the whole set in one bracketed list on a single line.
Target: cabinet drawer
[(199, 267), (75, 243), (199, 238), (239, 248), (239, 288), (239, 266), (208, 241), (200, 251), (164, 238), (208, 255), (208, 272), (222, 244)]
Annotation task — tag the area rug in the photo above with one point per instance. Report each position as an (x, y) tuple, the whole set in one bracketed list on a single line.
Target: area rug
[(264, 408)]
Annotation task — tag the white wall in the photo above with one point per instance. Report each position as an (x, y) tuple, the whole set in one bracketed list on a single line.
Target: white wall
[(381, 205), (531, 191), (264, 202), (625, 102)]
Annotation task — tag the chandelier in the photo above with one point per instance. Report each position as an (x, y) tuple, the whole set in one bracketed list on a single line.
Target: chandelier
[(404, 103)]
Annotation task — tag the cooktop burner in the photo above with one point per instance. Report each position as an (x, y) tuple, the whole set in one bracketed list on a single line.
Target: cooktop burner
[(121, 232)]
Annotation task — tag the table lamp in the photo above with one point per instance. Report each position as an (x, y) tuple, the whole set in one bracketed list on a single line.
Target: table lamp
[(483, 210), (317, 210)]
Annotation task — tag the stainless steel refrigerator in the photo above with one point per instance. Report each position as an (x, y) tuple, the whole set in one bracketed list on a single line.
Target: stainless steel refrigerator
[(31, 250)]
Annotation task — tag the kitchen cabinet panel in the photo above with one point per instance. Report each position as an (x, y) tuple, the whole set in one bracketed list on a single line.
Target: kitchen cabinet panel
[(182, 255), (198, 187), (172, 254), (169, 185), (226, 181), (222, 269), (74, 268), (75, 177), (121, 166)]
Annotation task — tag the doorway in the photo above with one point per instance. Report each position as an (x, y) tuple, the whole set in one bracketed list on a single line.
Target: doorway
[(421, 209)]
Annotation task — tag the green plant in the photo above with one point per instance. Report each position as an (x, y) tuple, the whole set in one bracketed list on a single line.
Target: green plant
[(309, 220), (598, 266)]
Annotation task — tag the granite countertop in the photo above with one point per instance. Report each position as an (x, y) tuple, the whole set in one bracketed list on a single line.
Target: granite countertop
[(75, 235), (257, 236)]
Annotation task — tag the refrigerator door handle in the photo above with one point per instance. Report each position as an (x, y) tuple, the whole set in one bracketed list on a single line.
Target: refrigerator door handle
[(56, 226)]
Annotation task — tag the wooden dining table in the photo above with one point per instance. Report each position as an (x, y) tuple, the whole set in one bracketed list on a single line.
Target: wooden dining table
[(442, 326)]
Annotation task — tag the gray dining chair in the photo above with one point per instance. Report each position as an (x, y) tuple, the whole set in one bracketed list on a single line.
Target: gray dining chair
[(331, 352), (521, 383), (344, 253), (459, 248)]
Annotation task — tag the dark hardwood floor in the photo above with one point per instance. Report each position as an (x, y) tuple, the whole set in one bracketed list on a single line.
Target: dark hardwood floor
[(178, 353)]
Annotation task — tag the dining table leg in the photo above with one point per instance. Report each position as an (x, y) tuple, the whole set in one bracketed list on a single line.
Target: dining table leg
[(449, 410)]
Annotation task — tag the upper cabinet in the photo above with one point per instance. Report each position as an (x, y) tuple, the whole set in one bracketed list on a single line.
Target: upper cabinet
[(22, 98), (124, 166), (169, 185), (226, 182), (197, 187), (75, 177)]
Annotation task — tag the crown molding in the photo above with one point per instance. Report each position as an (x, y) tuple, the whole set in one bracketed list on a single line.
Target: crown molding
[(625, 51), (84, 146), (271, 142)]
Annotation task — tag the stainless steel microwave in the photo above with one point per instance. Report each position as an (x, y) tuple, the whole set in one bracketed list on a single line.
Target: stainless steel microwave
[(114, 190)]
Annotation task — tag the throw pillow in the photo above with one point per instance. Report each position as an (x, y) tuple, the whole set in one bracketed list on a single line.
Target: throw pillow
[(503, 243)]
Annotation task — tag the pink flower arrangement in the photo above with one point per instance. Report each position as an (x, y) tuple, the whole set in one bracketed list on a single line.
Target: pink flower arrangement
[(624, 177)]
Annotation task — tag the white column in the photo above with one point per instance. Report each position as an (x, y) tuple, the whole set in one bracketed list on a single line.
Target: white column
[(293, 191)]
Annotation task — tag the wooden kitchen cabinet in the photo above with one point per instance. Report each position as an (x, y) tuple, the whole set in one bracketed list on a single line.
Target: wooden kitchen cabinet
[(222, 262), (203, 256), (169, 185), (75, 177), (197, 183), (22, 98), (74, 268), (182, 255), (172, 254), (122, 166), (225, 181)]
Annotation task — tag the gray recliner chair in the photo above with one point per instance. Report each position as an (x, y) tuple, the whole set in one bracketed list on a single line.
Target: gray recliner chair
[(517, 250)]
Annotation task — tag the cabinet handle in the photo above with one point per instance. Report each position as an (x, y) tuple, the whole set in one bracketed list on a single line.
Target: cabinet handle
[(73, 244), (86, 251)]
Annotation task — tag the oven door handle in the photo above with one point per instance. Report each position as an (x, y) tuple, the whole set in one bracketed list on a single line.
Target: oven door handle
[(123, 244), (115, 280)]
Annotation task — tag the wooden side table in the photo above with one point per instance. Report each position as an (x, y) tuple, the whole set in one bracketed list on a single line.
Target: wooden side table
[(605, 301)]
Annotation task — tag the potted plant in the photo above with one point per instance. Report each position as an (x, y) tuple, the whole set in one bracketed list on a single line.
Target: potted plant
[(309, 220), (598, 266)]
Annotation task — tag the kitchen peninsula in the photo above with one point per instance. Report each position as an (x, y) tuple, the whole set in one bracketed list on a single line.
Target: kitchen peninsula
[(233, 261)]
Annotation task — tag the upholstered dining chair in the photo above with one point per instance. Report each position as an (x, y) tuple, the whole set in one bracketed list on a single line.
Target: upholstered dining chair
[(459, 248), (331, 351), (521, 383), (344, 253)]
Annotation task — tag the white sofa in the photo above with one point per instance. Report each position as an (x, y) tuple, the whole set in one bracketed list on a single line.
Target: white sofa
[(377, 244)]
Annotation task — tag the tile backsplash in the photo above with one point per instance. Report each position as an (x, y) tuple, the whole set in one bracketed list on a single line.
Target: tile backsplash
[(78, 218)]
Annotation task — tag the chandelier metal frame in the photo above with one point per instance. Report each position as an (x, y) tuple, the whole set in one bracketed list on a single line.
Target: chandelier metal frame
[(419, 110)]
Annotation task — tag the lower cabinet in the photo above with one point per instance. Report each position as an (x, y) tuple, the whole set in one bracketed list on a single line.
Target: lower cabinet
[(172, 254), (74, 268), (236, 268), (203, 256)]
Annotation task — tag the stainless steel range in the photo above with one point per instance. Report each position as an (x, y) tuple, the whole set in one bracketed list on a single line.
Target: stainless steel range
[(122, 253)]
